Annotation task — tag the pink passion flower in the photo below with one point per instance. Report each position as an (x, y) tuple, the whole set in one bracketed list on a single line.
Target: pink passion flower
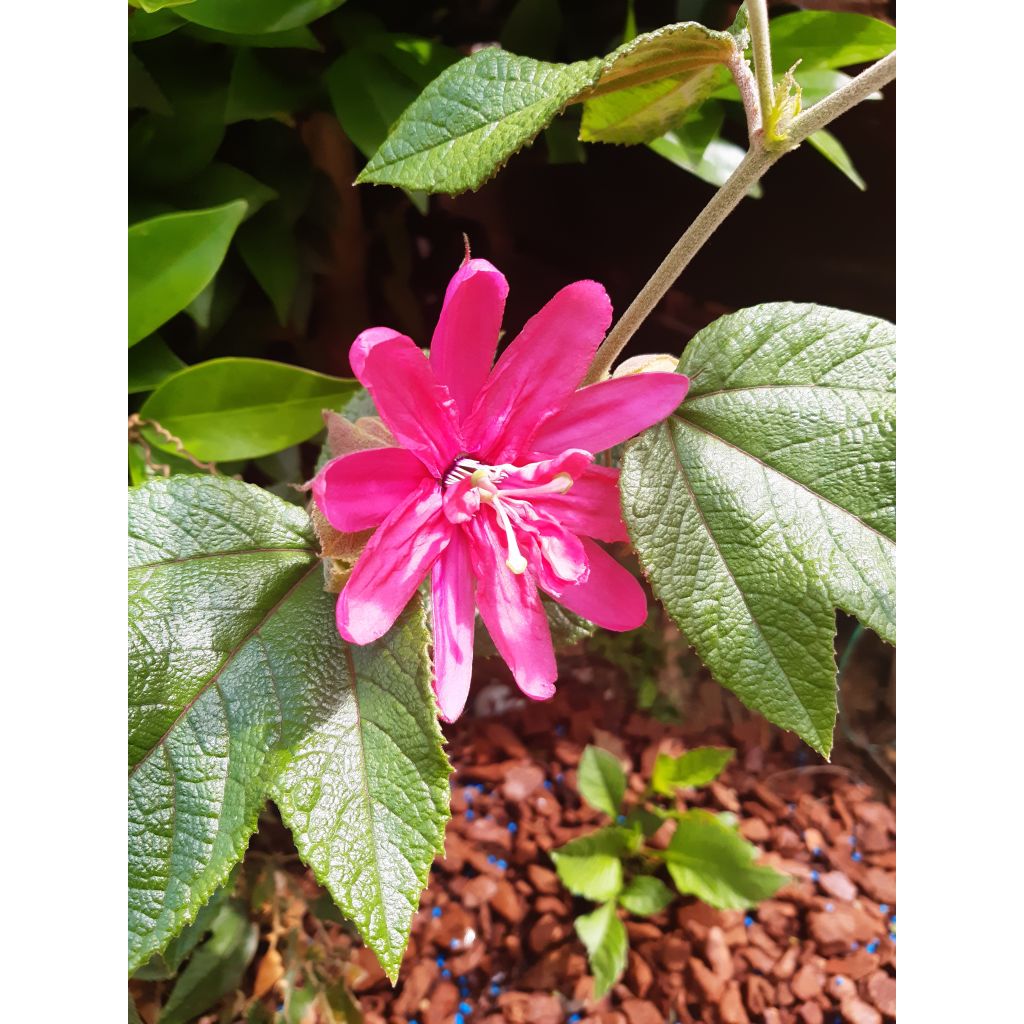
[(493, 489)]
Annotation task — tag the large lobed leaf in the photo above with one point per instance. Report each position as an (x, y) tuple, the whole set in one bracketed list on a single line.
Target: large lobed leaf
[(240, 688), (768, 500)]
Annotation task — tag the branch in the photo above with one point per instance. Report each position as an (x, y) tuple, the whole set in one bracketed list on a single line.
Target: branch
[(726, 199), (761, 48)]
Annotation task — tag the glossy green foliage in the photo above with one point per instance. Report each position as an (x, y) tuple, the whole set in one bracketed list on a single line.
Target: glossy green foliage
[(711, 860), (607, 945), (171, 259), (240, 688), (216, 967), (149, 363), (472, 118), (835, 153), (768, 500), (828, 39), (602, 781), (649, 83), (591, 866), (256, 16), (242, 408), (696, 767), (646, 895)]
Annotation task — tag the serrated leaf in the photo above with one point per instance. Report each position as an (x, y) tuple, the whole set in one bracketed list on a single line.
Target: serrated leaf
[(708, 859), (768, 500), (601, 780), (256, 16), (171, 259), (696, 767), (472, 118), (604, 936), (591, 866), (366, 791), (236, 669), (646, 895), (216, 967), (835, 153), (654, 80), (236, 408), (167, 964), (149, 363)]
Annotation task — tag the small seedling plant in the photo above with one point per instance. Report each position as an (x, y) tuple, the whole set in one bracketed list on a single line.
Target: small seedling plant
[(300, 647), (704, 856)]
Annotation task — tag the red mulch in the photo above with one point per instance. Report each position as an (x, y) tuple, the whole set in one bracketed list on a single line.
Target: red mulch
[(496, 920)]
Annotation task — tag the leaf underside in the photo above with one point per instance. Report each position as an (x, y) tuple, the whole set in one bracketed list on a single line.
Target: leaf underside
[(768, 500)]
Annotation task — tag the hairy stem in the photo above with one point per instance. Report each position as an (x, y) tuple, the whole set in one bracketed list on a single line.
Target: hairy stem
[(726, 199), (761, 47), (747, 85)]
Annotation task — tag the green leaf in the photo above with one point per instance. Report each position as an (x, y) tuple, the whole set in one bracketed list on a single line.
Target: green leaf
[(372, 83), (300, 38), (216, 967), (696, 767), (472, 118), (607, 946), (220, 183), (828, 39), (152, 6), (143, 92), (532, 28), (713, 862), (646, 895), (267, 245), (171, 259), (649, 83), (240, 688), (142, 27), (256, 16), (591, 866), (167, 964), (149, 363), (257, 91), (768, 500), (237, 408), (366, 791), (835, 153), (602, 782)]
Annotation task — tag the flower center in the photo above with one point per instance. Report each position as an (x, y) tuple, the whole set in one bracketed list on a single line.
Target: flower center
[(487, 481)]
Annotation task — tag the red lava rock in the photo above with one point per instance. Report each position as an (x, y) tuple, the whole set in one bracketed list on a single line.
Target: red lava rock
[(507, 902), (371, 971), (757, 936), (876, 815), (674, 953), (760, 994), (879, 885), (709, 983), (808, 982), (880, 988), (479, 890), (761, 961), (543, 880), (640, 1011), (856, 966), (786, 964), (835, 883), (547, 931), (557, 967), (639, 976), (810, 1013), (551, 905), (442, 1004), (813, 840), (521, 781), (718, 953), (835, 930), (640, 930), (856, 1011), (531, 1008), (725, 797), (468, 961), (731, 1008), (415, 986), (754, 830), (504, 739)]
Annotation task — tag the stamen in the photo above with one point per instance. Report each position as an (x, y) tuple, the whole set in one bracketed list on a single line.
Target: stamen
[(515, 561)]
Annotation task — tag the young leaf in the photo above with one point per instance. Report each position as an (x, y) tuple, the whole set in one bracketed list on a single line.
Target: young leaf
[(472, 118), (713, 862), (648, 84), (171, 259), (256, 16), (646, 895), (591, 866), (602, 781), (768, 500), (216, 967), (835, 153), (603, 935), (829, 39), (241, 408), (240, 686), (696, 767), (149, 363)]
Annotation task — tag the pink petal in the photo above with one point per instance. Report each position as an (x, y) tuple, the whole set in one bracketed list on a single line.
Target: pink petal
[(606, 414), (538, 372), (462, 501), (573, 462), (365, 343), (590, 508), (511, 609), (359, 490), (418, 410), (466, 336), (393, 564), (609, 597), (454, 612), (554, 549)]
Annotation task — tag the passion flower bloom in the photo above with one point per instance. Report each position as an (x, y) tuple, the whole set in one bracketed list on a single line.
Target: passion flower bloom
[(492, 489)]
